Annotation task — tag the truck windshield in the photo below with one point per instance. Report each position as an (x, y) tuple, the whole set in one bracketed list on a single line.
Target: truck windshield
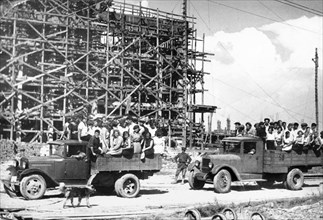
[(231, 147), (56, 150)]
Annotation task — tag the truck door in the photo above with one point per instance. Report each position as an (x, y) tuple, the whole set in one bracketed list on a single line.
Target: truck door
[(76, 166), (251, 158)]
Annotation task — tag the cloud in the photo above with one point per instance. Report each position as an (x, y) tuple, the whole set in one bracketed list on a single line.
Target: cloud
[(265, 71)]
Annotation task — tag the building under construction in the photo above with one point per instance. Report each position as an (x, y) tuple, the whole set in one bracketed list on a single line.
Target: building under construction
[(59, 57)]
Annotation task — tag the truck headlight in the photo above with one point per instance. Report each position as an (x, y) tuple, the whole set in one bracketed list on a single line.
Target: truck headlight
[(210, 165), (13, 163), (197, 163), (23, 163)]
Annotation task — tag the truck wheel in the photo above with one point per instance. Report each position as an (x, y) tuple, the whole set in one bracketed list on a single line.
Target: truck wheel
[(295, 179), (222, 181), (33, 187), (219, 216), (117, 187), (230, 214), (192, 214), (193, 182), (128, 186)]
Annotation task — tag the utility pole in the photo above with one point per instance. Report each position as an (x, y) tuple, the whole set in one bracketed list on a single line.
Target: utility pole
[(185, 47), (316, 62)]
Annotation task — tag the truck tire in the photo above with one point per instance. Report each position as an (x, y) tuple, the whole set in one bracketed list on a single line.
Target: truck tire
[(192, 214), (33, 187), (127, 186), (230, 214), (219, 216), (295, 179), (193, 182), (222, 181), (117, 187)]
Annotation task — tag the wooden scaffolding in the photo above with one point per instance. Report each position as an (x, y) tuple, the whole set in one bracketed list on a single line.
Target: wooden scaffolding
[(59, 57)]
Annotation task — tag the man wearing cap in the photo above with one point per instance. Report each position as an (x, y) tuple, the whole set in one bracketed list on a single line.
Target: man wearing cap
[(183, 160), (236, 129)]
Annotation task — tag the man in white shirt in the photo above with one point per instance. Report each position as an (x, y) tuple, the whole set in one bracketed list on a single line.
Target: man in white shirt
[(294, 130), (83, 131)]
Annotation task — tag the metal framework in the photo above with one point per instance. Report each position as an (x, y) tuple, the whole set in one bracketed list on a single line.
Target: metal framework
[(59, 57)]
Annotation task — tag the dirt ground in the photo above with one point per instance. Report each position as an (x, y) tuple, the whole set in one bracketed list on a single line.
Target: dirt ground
[(163, 200)]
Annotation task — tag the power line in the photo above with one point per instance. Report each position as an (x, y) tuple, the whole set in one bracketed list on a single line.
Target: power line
[(261, 16), (301, 7)]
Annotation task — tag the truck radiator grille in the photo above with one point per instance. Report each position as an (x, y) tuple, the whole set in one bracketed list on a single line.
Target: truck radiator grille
[(205, 165)]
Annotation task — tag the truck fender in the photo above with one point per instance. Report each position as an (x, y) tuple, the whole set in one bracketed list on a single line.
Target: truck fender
[(191, 166), (233, 171), (49, 181)]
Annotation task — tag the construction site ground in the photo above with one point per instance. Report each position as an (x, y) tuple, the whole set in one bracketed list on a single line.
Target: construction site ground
[(159, 199)]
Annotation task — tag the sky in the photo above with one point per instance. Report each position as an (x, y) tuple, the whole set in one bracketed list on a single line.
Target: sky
[(262, 64)]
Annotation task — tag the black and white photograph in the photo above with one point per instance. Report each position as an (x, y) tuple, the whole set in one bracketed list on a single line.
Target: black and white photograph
[(161, 109)]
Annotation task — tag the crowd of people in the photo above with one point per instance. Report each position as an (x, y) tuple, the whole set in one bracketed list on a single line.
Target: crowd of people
[(112, 137), (282, 136)]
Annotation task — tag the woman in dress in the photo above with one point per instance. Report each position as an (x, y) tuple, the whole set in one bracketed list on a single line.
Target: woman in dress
[(148, 145), (115, 143), (137, 139)]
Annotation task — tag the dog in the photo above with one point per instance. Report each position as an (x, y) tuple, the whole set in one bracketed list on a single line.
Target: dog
[(76, 191)]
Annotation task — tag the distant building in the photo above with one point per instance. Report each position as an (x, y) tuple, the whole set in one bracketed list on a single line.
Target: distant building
[(219, 129)]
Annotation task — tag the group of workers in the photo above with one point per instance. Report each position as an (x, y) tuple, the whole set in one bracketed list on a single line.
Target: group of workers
[(112, 138), (282, 136)]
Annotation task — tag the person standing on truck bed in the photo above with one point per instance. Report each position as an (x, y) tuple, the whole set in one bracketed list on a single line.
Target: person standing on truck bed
[(270, 139), (182, 159), (261, 131), (83, 130), (266, 123), (249, 130), (237, 127)]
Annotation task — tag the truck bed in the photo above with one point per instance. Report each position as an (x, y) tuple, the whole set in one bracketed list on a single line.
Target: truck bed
[(120, 163), (276, 161)]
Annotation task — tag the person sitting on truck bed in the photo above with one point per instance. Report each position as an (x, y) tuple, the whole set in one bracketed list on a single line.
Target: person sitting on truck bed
[(287, 141), (148, 145), (115, 143), (126, 140), (299, 142), (137, 139), (308, 139), (317, 141), (95, 145), (295, 130)]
